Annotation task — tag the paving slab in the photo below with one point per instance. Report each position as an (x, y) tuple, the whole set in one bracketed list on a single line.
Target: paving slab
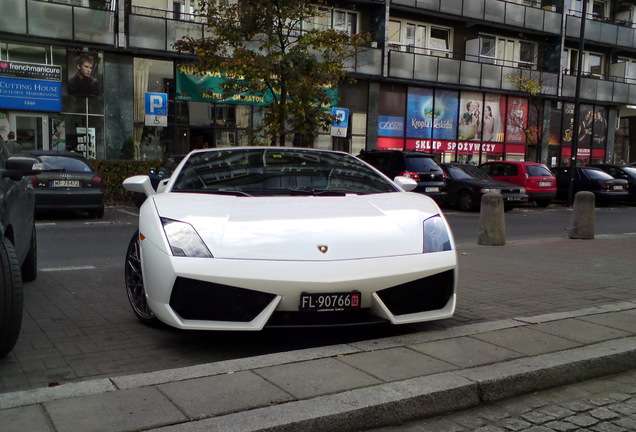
[(121, 411), (223, 394)]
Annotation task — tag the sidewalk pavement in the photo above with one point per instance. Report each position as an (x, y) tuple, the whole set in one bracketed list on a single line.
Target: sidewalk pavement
[(368, 384)]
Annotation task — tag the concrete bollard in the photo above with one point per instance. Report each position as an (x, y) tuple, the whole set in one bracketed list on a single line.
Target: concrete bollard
[(583, 220), (492, 226)]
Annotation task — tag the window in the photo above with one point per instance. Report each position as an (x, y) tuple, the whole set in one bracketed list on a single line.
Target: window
[(25, 53), (592, 63), (628, 69), (505, 51), (336, 19), (420, 38), (596, 9)]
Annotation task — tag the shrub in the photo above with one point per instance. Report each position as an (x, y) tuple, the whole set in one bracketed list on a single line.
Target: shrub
[(114, 172)]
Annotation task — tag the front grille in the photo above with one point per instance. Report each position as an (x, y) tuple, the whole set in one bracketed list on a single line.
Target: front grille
[(198, 300), (421, 295)]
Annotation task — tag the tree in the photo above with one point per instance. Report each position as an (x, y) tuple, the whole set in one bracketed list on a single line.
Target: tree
[(268, 48)]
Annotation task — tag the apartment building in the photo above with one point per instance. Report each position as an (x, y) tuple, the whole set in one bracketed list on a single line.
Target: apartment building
[(440, 76)]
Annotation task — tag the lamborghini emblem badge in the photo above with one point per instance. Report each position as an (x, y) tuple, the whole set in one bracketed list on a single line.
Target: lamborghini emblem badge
[(323, 248)]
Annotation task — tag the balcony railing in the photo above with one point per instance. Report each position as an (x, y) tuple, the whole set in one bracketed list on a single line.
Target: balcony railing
[(75, 23), (156, 29), (411, 66), (493, 11)]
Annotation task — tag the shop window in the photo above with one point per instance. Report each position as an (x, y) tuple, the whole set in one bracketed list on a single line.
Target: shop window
[(25, 53)]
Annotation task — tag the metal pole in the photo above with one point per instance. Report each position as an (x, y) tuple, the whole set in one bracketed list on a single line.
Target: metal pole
[(577, 104)]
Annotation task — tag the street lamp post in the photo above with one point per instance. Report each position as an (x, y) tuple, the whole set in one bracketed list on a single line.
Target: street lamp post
[(577, 105)]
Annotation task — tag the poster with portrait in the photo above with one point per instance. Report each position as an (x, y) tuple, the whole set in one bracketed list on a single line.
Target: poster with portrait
[(586, 122), (419, 112), (84, 73), (492, 124), (599, 127), (516, 120), (470, 116), (58, 134), (445, 115)]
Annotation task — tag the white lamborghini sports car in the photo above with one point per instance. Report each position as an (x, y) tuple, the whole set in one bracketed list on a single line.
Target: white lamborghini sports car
[(247, 237)]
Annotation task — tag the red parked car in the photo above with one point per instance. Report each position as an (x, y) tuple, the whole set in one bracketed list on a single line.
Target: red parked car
[(537, 178)]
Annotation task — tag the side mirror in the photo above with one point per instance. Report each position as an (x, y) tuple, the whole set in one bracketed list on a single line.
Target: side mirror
[(139, 184), (23, 163), (20, 166), (408, 184)]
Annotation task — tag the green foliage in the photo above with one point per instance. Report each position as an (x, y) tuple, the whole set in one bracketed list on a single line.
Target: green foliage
[(114, 172), (263, 48), (128, 149)]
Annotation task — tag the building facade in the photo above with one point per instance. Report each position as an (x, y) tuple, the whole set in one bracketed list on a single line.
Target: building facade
[(468, 80)]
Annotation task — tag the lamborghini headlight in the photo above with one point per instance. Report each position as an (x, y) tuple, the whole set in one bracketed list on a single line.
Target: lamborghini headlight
[(184, 240), (436, 236)]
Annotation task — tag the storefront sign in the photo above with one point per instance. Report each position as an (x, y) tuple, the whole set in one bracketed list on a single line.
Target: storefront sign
[(207, 87), (454, 146), (390, 126), (33, 87)]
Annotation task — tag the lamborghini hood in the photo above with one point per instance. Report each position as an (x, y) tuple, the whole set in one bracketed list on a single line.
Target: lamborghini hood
[(303, 228)]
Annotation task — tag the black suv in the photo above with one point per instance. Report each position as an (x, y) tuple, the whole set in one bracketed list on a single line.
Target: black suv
[(421, 167)]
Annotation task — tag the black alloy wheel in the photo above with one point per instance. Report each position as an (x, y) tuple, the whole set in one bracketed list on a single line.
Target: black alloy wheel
[(135, 283), (11, 297)]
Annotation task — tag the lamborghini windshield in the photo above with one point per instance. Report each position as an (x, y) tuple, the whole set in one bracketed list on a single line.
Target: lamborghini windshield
[(278, 171)]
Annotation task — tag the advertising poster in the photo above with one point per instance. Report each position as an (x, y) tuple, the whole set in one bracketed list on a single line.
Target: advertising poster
[(419, 112), (84, 73), (445, 115), (492, 128), (470, 116), (568, 124), (586, 122), (516, 120), (58, 134), (599, 127)]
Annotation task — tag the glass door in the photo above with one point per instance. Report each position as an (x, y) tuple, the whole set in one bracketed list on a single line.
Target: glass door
[(31, 130)]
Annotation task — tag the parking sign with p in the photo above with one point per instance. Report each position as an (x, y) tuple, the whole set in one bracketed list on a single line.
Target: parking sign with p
[(156, 109)]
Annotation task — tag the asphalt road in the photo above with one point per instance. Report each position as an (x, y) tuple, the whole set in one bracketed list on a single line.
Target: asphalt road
[(78, 323)]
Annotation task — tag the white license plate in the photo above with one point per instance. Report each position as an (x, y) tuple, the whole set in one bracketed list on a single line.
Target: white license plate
[(545, 184), (333, 302), (432, 189), (618, 187), (65, 183)]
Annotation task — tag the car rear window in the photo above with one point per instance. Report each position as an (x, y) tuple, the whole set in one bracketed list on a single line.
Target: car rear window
[(64, 163), (538, 171), (421, 164), (597, 174)]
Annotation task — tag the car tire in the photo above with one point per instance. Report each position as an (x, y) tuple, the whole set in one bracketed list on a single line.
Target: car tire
[(11, 297), (29, 267), (543, 203), (97, 213), (135, 284), (466, 201)]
